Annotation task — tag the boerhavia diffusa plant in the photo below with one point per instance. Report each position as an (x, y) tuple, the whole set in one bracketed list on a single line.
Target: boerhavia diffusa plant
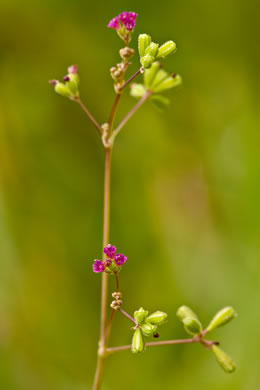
[(156, 81)]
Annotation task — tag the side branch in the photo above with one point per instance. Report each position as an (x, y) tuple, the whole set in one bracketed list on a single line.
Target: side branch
[(131, 78), (91, 118)]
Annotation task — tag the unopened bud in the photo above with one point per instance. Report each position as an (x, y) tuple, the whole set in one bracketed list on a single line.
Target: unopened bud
[(166, 49), (222, 317), (223, 359), (140, 315), (157, 318), (192, 325), (137, 90), (138, 345), (168, 83), (148, 329), (144, 41), (185, 312), (62, 90), (161, 75), (152, 49), (147, 61)]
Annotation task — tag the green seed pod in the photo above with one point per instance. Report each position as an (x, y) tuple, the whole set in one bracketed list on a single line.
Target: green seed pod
[(140, 315), (148, 329), (223, 359), (138, 344), (157, 318), (161, 102), (144, 41), (149, 74), (147, 61), (62, 90), (168, 83), (137, 90), (73, 87), (159, 77), (166, 49), (186, 312), (222, 317), (152, 49), (192, 325)]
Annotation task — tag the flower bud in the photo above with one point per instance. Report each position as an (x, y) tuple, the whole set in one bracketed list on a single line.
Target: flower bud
[(168, 83), (222, 317), (159, 77), (192, 325), (140, 315), (186, 312), (157, 318), (166, 49), (147, 61), (152, 49), (137, 90), (161, 102), (63, 90), (72, 82), (144, 41), (223, 359), (138, 345), (150, 73), (148, 329)]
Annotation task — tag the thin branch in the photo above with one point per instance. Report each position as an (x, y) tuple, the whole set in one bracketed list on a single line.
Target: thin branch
[(130, 114), (131, 78), (113, 112), (91, 118), (128, 316)]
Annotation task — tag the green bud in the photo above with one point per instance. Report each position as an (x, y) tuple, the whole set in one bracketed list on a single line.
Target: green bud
[(223, 359), (161, 102), (168, 83), (152, 49), (72, 86), (138, 344), (140, 315), (186, 312), (159, 77), (147, 61), (62, 90), (144, 41), (137, 90), (192, 325), (149, 74), (166, 49), (222, 317), (157, 318), (148, 329)]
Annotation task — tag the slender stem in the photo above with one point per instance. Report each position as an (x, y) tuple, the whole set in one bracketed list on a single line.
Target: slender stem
[(117, 282), (128, 315), (91, 118), (109, 325), (131, 113), (104, 282), (113, 112), (131, 78), (155, 344)]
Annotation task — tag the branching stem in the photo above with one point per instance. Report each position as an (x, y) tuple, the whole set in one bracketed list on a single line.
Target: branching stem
[(91, 118), (131, 78)]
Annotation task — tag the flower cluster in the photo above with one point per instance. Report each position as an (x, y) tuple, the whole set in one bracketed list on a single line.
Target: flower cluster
[(112, 264), (127, 19), (70, 87)]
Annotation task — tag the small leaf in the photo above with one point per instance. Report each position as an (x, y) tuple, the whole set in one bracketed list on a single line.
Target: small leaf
[(223, 359), (222, 317), (161, 102), (138, 344)]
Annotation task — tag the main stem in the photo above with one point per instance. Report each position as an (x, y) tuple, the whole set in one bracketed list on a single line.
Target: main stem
[(104, 282)]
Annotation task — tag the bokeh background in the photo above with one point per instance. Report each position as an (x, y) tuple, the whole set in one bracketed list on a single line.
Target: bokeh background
[(185, 194)]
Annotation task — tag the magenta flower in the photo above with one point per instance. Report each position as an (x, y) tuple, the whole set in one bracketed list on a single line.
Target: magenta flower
[(114, 23), (128, 19), (98, 266), (120, 259), (110, 251)]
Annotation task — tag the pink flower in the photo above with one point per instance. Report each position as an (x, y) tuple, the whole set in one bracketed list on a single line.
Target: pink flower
[(98, 266), (128, 19), (114, 23)]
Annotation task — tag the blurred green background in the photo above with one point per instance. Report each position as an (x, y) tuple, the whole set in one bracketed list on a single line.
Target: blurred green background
[(185, 194)]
